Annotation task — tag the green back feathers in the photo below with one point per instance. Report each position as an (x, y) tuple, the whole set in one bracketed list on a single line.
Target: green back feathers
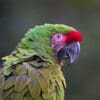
[(35, 42)]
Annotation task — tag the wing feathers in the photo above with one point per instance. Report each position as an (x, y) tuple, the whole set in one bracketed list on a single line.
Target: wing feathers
[(28, 82)]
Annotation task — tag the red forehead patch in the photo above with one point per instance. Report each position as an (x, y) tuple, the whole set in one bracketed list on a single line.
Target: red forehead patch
[(74, 36)]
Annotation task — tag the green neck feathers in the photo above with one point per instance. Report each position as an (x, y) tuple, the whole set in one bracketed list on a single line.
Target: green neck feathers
[(35, 42)]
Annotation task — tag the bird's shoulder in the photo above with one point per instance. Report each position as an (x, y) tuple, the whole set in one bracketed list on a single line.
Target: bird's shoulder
[(32, 79)]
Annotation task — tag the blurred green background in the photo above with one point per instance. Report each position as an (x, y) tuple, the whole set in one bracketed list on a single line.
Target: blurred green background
[(17, 16)]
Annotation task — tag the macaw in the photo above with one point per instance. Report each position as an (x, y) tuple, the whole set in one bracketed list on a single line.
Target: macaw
[(33, 70)]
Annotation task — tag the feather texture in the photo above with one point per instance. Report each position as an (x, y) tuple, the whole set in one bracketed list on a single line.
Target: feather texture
[(33, 80), (30, 72), (35, 42)]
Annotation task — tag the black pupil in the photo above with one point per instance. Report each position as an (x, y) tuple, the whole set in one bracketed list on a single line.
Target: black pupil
[(58, 36)]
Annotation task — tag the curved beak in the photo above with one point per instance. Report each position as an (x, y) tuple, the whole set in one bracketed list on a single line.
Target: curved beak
[(69, 51)]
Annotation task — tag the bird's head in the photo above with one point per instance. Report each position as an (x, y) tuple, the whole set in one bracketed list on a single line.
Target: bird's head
[(37, 42), (67, 46)]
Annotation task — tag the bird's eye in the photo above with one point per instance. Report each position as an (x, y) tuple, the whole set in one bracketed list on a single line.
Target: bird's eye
[(58, 36)]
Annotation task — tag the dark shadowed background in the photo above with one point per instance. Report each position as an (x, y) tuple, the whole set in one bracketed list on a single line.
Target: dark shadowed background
[(17, 16)]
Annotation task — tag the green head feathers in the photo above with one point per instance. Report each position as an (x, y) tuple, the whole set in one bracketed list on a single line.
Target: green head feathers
[(35, 42)]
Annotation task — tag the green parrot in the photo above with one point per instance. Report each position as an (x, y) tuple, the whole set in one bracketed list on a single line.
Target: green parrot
[(33, 70)]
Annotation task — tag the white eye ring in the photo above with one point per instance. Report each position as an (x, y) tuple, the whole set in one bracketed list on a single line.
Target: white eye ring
[(58, 36)]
